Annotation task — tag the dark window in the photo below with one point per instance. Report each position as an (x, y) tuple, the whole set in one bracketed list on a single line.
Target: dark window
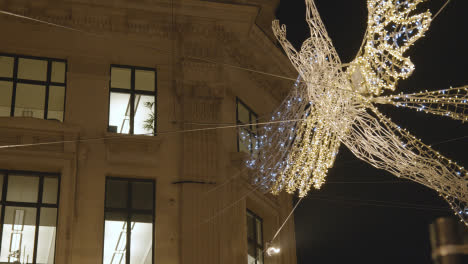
[(29, 203), (254, 239), (129, 221), (32, 87), (132, 100), (247, 135)]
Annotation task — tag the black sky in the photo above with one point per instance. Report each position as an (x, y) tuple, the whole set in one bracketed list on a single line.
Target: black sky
[(382, 222)]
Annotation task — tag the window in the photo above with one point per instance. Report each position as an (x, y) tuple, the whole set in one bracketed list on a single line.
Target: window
[(254, 239), (129, 221), (32, 87), (247, 135), (29, 203), (132, 100)]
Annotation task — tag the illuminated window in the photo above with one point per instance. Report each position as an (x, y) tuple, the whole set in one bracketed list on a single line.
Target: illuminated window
[(129, 221), (28, 219), (247, 135), (254, 239), (32, 87), (132, 100)]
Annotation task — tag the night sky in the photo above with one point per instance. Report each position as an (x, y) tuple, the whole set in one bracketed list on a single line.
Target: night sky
[(366, 215)]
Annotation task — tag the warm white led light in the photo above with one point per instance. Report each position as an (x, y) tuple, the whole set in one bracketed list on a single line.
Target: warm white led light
[(337, 106), (273, 251)]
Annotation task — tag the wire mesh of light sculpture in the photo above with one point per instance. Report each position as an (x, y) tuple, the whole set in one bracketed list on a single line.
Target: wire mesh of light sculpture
[(337, 106)]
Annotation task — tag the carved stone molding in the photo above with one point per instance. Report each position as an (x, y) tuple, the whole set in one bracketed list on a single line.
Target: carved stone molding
[(85, 16)]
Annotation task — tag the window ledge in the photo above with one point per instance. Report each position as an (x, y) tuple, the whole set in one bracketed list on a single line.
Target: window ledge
[(28, 130), (32, 123), (123, 148)]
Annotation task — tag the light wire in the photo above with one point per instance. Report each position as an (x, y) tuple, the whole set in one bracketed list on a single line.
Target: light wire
[(286, 220), (160, 133)]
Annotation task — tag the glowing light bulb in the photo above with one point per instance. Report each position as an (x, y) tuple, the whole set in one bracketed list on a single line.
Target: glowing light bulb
[(273, 251)]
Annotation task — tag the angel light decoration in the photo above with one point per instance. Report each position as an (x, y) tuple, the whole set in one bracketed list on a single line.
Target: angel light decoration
[(336, 104)]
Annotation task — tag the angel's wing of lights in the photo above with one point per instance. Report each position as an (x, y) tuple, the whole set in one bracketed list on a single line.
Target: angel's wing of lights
[(392, 27), (375, 139), (452, 102), (330, 106)]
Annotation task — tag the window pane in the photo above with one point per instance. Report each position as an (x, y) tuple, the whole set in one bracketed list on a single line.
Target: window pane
[(250, 226), (22, 188), (115, 242), (254, 121), (243, 113), (116, 194), (1, 186), (30, 100), (259, 232), (120, 77), (141, 243), (58, 72), (50, 190), (142, 195), (6, 90), (56, 102), (119, 113), (32, 69), (6, 66), (259, 256), (144, 80), (46, 238), (18, 235), (144, 114), (250, 259), (251, 252)]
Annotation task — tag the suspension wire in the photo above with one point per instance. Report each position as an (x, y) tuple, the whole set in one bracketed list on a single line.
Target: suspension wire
[(160, 133), (380, 204), (367, 182), (286, 220), (440, 10), (448, 140)]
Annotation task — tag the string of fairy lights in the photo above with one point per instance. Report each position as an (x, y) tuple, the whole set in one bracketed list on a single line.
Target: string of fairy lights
[(296, 156), (451, 102), (330, 105)]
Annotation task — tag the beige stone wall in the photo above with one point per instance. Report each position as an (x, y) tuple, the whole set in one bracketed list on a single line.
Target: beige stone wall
[(194, 223)]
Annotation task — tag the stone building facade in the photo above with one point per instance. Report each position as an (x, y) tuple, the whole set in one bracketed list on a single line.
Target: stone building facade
[(121, 197)]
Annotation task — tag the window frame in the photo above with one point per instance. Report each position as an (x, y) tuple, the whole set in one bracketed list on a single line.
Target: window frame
[(132, 91), (47, 83), (128, 210), (37, 205), (250, 127), (258, 246)]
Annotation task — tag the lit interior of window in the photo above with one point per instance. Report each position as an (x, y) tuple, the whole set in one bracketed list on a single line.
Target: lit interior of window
[(139, 83), (115, 242), (18, 235), (144, 114), (119, 112), (19, 224), (46, 238)]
